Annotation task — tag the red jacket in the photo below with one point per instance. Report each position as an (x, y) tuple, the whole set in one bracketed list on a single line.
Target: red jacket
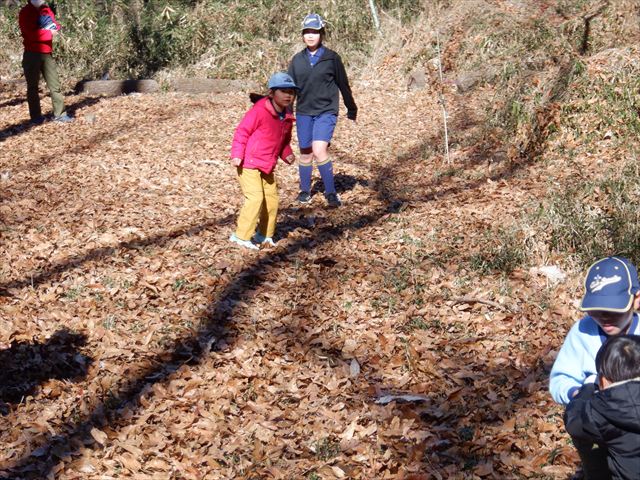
[(261, 137), (36, 39)]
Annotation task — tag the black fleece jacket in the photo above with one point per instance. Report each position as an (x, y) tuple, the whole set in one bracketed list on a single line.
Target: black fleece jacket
[(319, 85), (611, 418)]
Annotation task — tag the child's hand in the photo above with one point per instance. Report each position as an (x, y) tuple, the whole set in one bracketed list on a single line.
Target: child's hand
[(236, 161), (290, 159)]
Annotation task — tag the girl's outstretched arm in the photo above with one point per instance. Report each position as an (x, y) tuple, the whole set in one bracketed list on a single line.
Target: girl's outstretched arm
[(345, 89)]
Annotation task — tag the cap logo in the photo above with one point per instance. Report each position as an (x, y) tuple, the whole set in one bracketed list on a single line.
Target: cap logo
[(310, 20), (599, 282)]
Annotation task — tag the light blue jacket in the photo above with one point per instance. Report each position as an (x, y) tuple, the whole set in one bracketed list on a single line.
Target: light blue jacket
[(575, 364)]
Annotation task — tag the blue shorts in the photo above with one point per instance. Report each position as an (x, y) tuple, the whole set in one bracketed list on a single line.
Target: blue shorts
[(315, 127)]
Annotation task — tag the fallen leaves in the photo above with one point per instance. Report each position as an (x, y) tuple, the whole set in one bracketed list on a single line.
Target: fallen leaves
[(99, 436), (342, 353)]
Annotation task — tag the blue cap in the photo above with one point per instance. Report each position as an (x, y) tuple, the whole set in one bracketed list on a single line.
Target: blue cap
[(313, 21), (610, 285), (281, 80)]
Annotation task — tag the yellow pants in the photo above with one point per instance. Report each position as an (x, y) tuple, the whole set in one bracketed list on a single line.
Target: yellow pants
[(260, 203)]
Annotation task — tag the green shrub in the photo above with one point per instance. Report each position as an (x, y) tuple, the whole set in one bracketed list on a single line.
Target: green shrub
[(601, 104), (595, 219), (10, 42), (327, 448), (224, 39), (501, 251)]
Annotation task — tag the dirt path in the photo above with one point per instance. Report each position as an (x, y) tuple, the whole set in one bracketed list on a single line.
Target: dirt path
[(190, 358)]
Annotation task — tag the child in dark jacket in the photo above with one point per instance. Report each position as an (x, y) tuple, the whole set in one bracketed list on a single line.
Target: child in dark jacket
[(610, 416), (263, 136), (321, 76)]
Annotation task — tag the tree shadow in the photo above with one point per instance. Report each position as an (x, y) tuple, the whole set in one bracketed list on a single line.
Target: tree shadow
[(13, 102), (89, 143), (217, 322), (343, 183), (191, 350), (25, 126), (474, 402), (56, 270), (26, 365)]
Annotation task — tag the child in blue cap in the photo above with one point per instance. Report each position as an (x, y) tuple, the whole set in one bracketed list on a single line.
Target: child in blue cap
[(610, 415), (612, 294), (263, 136)]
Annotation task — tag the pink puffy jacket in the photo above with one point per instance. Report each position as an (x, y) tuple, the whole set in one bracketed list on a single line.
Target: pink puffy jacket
[(261, 137)]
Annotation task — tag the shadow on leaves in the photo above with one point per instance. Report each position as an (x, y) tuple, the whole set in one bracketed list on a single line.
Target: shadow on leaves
[(28, 365)]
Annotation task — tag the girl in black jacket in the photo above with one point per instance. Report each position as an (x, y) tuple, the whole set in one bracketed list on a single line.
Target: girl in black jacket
[(610, 416), (320, 75)]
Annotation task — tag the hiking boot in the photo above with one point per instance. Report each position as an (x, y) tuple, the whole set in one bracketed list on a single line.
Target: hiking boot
[(262, 240), (243, 243), (333, 200), (304, 197), (37, 121), (64, 118)]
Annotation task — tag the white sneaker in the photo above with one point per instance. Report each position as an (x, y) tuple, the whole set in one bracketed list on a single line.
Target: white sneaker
[(262, 240), (243, 243)]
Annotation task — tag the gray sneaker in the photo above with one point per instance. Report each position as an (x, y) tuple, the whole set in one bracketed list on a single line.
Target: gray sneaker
[(304, 197), (243, 243), (333, 200), (64, 118), (262, 240)]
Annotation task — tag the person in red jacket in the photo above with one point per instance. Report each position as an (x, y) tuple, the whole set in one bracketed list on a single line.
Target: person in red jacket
[(263, 136), (39, 27)]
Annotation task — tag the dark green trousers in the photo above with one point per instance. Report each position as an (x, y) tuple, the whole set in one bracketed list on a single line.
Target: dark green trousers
[(33, 65)]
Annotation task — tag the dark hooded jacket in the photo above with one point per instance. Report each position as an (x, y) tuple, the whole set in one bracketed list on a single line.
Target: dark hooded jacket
[(319, 85), (610, 418)]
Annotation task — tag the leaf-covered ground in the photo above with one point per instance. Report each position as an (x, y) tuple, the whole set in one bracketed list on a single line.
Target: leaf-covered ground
[(137, 342)]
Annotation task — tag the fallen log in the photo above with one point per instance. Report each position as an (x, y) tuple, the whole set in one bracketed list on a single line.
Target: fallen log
[(112, 88), (211, 85), (184, 85)]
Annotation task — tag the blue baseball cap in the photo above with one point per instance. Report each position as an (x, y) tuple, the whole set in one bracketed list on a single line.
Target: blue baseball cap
[(281, 80), (313, 21), (610, 285)]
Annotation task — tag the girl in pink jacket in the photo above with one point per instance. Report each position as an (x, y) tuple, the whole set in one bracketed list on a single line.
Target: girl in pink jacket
[(263, 136)]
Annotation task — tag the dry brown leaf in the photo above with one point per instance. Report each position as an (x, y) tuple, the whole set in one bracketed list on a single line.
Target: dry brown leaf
[(99, 436)]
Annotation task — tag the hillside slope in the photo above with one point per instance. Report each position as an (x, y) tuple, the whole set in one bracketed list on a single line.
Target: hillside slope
[(137, 342)]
